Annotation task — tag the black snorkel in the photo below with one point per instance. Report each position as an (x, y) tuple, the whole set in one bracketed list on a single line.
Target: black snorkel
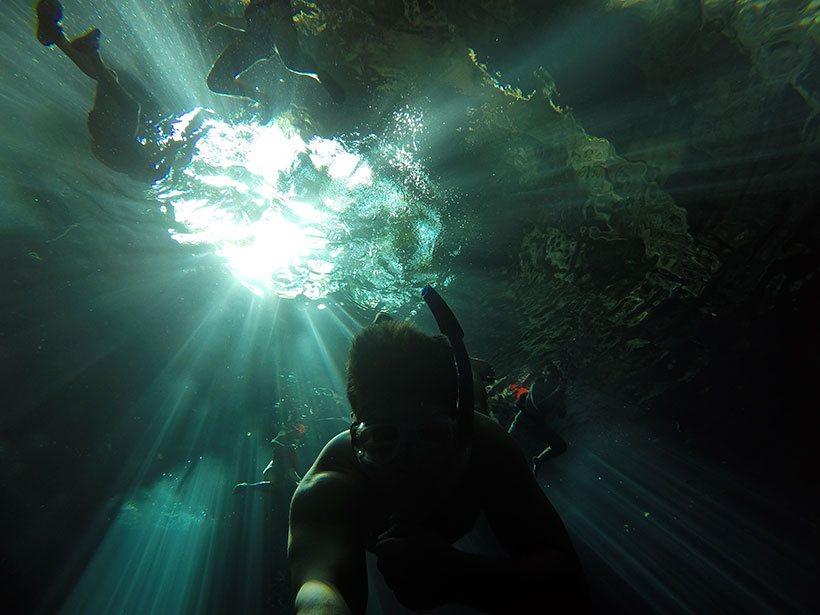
[(449, 327)]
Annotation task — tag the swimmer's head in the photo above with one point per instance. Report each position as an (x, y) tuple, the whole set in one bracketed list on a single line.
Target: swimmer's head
[(394, 371), (403, 389)]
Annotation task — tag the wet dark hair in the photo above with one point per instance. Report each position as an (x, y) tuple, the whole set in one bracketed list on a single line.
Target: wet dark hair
[(393, 360)]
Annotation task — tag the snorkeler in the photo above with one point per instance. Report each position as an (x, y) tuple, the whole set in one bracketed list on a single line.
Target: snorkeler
[(281, 472), (539, 406), (115, 118), (266, 29), (412, 475)]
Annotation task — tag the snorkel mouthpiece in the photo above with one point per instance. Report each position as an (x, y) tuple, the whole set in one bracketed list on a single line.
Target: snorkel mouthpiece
[(449, 327)]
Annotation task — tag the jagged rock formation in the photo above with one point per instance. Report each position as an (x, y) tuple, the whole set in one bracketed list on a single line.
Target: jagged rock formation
[(637, 234)]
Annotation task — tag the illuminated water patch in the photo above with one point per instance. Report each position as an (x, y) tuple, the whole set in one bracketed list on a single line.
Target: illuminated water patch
[(295, 217)]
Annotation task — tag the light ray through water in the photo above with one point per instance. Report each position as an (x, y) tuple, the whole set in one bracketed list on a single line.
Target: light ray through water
[(155, 549)]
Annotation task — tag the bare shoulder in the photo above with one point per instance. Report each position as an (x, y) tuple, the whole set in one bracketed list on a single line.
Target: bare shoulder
[(333, 476), (491, 442), (336, 454), (516, 506), (499, 462)]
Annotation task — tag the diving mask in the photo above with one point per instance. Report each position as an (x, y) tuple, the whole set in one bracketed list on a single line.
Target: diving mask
[(384, 443)]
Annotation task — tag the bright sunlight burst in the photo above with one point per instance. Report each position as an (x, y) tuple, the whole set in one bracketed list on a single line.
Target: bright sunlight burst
[(294, 217)]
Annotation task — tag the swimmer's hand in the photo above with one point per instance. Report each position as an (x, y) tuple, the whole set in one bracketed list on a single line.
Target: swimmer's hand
[(240, 24), (264, 485), (417, 566), (240, 487)]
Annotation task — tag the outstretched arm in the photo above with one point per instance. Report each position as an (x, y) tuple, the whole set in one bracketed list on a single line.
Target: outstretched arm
[(240, 24), (324, 547)]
